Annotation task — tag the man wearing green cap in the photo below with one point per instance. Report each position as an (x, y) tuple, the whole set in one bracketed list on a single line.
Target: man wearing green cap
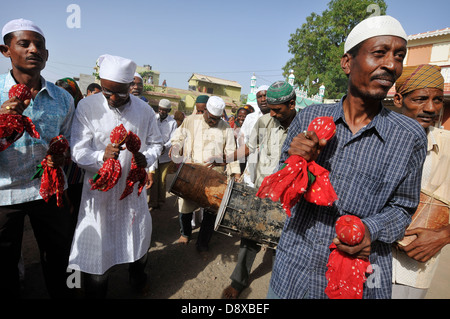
[(200, 104), (264, 146)]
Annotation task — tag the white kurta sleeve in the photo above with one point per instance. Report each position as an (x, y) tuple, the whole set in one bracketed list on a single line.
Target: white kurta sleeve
[(153, 142), (84, 152), (230, 147)]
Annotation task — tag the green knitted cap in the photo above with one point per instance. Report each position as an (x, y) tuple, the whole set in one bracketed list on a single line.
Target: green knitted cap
[(280, 92), (202, 99)]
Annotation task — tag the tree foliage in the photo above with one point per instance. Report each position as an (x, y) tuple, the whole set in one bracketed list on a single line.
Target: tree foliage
[(318, 46)]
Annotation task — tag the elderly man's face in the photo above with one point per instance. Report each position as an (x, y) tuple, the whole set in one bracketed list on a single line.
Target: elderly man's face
[(210, 119), (376, 67), (117, 94), (137, 86), (163, 112), (201, 107), (424, 105)]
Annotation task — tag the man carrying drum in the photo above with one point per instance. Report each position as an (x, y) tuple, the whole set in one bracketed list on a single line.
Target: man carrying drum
[(420, 95), (203, 138)]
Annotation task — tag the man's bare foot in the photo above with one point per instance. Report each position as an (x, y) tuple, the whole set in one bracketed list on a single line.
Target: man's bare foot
[(183, 240), (230, 293)]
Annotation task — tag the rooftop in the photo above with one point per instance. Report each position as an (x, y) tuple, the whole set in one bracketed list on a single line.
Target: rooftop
[(211, 79), (429, 34)]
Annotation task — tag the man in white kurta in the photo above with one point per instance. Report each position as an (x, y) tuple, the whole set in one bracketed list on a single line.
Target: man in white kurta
[(111, 231), (159, 170)]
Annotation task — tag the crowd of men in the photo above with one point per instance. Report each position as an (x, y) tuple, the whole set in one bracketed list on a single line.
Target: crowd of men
[(380, 162)]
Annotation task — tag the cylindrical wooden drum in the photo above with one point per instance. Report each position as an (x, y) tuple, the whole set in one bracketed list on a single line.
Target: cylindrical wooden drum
[(202, 185), (246, 215), (431, 213)]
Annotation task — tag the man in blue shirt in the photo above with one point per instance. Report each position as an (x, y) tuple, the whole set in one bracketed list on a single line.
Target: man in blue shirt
[(51, 109), (375, 162)]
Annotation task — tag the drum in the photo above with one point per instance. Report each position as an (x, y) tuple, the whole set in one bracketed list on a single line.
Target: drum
[(199, 184), (246, 215), (431, 213)]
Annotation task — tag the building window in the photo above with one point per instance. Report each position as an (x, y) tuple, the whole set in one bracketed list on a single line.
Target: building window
[(210, 90)]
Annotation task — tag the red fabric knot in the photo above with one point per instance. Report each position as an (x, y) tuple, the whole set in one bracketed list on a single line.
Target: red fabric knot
[(12, 126), (299, 178), (109, 174), (350, 229), (52, 180), (136, 174), (346, 274)]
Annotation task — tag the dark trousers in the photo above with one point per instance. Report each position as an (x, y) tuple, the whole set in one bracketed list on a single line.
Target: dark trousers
[(248, 249), (206, 228), (52, 230), (96, 286)]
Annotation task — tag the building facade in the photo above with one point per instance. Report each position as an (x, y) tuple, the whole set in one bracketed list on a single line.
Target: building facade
[(214, 86)]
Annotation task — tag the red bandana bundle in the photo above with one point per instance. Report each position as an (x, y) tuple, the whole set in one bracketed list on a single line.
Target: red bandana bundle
[(12, 126), (52, 179), (346, 274), (136, 174), (301, 178), (111, 170)]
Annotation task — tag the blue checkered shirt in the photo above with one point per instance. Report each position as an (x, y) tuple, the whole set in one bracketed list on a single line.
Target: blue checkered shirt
[(51, 111), (376, 174)]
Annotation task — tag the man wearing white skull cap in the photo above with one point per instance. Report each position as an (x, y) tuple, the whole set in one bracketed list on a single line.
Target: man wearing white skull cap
[(375, 162), (137, 87), (372, 27), (112, 231), (215, 105), (204, 139), (51, 110), (249, 123), (156, 187)]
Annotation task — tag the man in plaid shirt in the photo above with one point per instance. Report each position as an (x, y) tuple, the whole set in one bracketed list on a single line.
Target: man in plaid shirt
[(375, 163)]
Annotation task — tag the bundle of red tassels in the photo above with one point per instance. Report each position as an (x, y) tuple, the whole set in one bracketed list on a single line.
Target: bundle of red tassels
[(111, 170), (12, 126), (301, 178), (52, 178), (136, 174)]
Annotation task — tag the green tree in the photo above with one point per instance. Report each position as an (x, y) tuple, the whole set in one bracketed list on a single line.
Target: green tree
[(318, 46)]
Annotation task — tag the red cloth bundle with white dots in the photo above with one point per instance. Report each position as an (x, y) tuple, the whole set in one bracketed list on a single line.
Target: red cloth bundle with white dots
[(111, 170), (136, 174), (346, 274), (52, 178), (299, 178), (12, 126)]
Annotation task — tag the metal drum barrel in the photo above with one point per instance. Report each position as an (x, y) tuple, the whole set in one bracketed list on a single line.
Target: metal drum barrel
[(199, 184), (246, 215)]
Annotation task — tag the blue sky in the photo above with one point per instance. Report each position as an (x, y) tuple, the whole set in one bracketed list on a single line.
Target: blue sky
[(227, 39)]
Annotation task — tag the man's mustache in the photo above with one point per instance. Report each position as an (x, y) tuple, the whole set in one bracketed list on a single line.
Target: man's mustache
[(34, 57), (430, 116)]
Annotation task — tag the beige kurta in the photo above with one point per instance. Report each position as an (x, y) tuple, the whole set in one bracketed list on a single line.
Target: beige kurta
[(265, 142), (435, 183), (198, 143)]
